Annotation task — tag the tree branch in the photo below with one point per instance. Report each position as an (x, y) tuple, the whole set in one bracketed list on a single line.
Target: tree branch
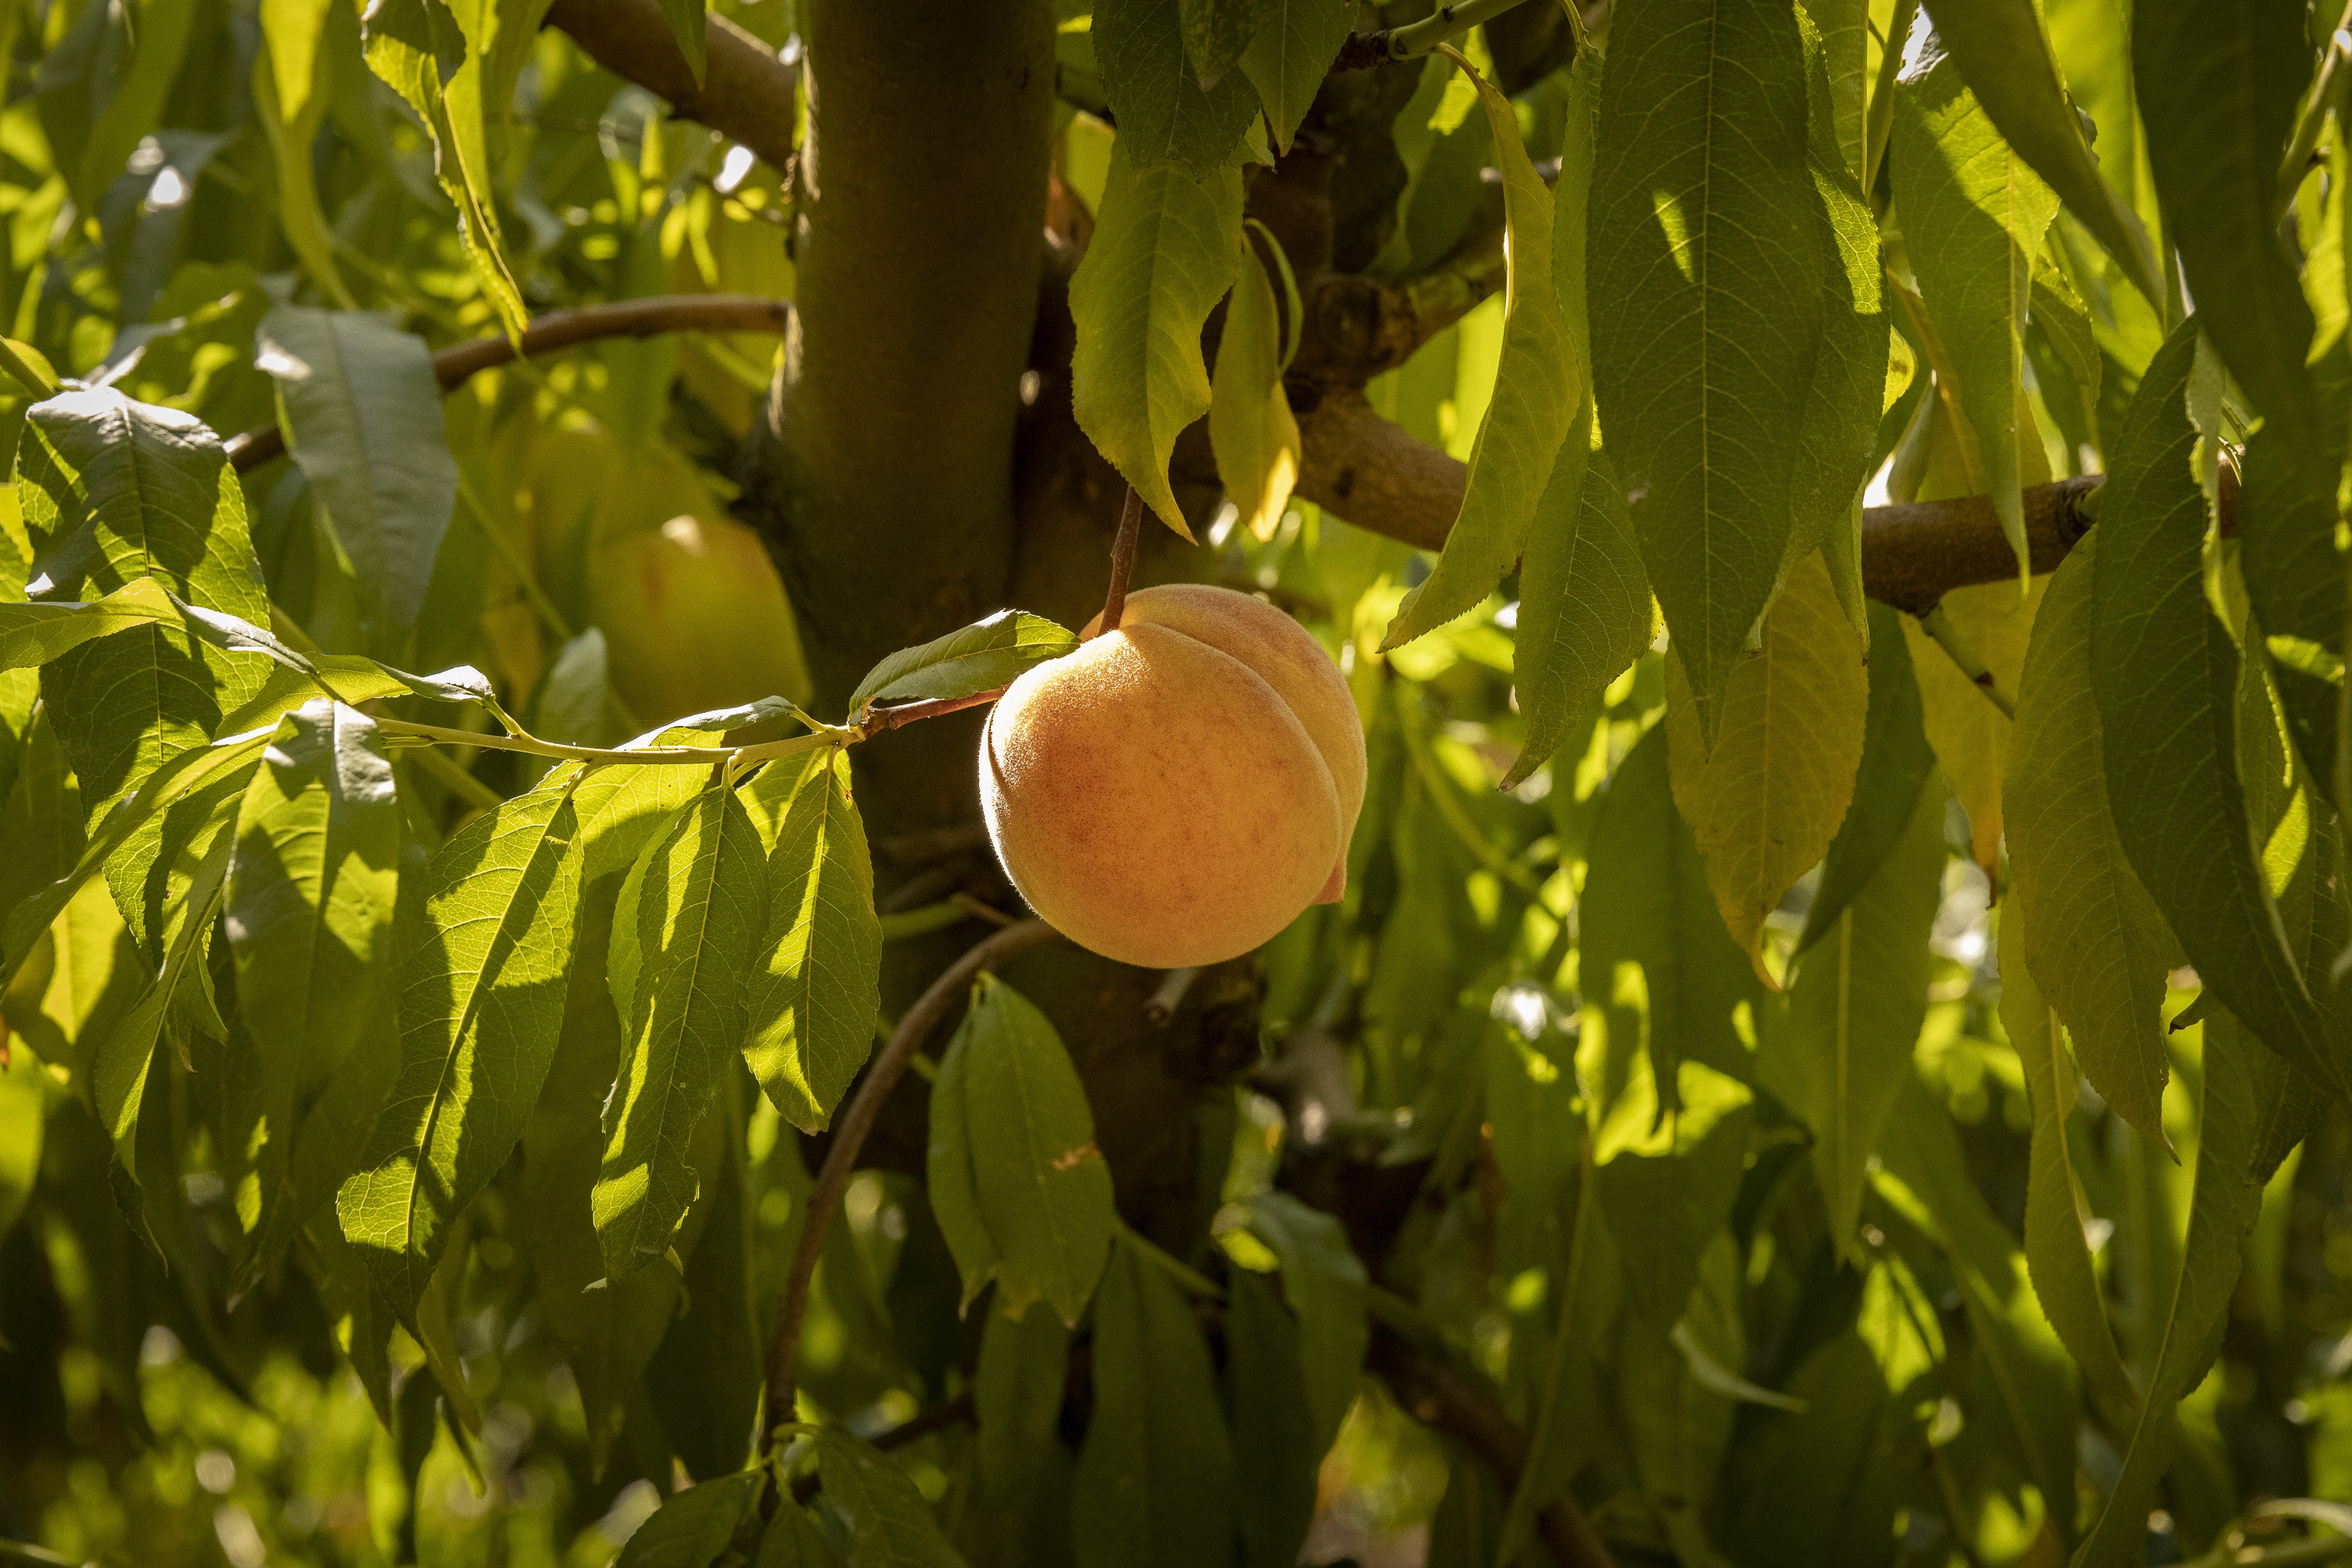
[(1436, 1395), (746, 95), (882, 1075)]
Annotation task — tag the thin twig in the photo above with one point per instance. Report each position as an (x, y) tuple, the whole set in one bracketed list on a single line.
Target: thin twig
[(878, 719), (1167, 1263), (1171, 995), (1938, 625), (1416, 38), (849, 1130), (701, 756), (1122, 562)]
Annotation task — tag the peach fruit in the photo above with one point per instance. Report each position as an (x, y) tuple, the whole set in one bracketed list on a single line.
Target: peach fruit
[(1176, 791)]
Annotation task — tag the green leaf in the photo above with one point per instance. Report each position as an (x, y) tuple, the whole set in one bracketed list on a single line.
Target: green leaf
[(815, 995), (1665, 1181), (1042, 1187), (1584, 604), (1165, 116), (1973, 217), (363, 415), (1766, 800), (2226, 1199), (952, 1182), (1844, 29), (182, 775), (1288, 56), (2056, 1254), (890, 1525), (435, 64), (693, 1529), (113, 491), (794, 1540), (1662, 981), (311, 884), (1250, 431), (1716, 256), (696, 927), (1016, 1393), (1530, 424), (1163, 253), (1842, 1052), (290, 29), (1970, 733), (1215, 34), (2096, 947), (1154, 1481), (123, 1054), (33, 635), (2004, 56), (481, 1004), (1323, 1282), (2294, 575), (104, 86), (2165, 671), (1275, 1456), (2219, 91), (688, 24), (2021, 1385), (1895, 763), (987, 653), (24, 1107), (291, 81)]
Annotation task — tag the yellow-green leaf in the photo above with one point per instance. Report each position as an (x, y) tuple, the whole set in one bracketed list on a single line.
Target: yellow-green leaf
[(1251, 430)]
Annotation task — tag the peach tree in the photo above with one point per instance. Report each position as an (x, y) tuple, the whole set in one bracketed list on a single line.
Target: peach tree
[(1717, 657)]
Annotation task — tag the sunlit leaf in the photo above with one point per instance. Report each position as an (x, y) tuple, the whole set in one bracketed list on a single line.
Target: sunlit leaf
[(989, 653), (1251, 430)]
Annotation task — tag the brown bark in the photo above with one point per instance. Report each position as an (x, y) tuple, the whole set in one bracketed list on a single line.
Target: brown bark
[(746, 93)]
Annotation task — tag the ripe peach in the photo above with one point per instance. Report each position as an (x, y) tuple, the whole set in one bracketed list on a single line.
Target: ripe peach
[(1176, 791)]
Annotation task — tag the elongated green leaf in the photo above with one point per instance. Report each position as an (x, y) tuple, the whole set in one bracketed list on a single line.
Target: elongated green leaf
[(2164, 673), (481, 1004), (1043, 1188), (1323, 1282), (697, 925), (363, 415), (408, 41), (1165, 115), (1163, 253), (1563, 1433), (1538, 384), (312, 885), (24, 1106), (1215, 34), (114, 491), (1766, 800), (1973, 217), (1856, 999), (1275, 1457), (2225, 1201), (1584, 604), (689, 26), (291, 85), (953, 1182), (1712, 249), (988, 653), (1665, 1173), (794, 1540), (2294, 576), (1970, 732), (1017, 1387), (2056, 1254), (890, 1525), (182, 775), (692, 1528), (104, 87), (1289, 55), (1250, 431), (1154, 1481), (33, 635), (2004, 56), (290, 29), (1663, 980), (123, 1054), (2097, 948), (815, 995), (1895, 763), (2219, 87)]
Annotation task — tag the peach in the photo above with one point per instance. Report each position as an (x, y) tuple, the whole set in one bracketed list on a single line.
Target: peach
[(1176, 791)]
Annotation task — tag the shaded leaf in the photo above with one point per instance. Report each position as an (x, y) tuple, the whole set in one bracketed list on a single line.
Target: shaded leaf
[(1154, 1481), (1275, 1456), (1323, 1282), (363, 415), (1250, 431), (691, 1528), (1163, 253), (2097, 948), (1896, 762), (1971, 736), (1165, 116), (1289, 55), (1766, 800), (2165, 671), (890, 1525), (1539, 384)]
